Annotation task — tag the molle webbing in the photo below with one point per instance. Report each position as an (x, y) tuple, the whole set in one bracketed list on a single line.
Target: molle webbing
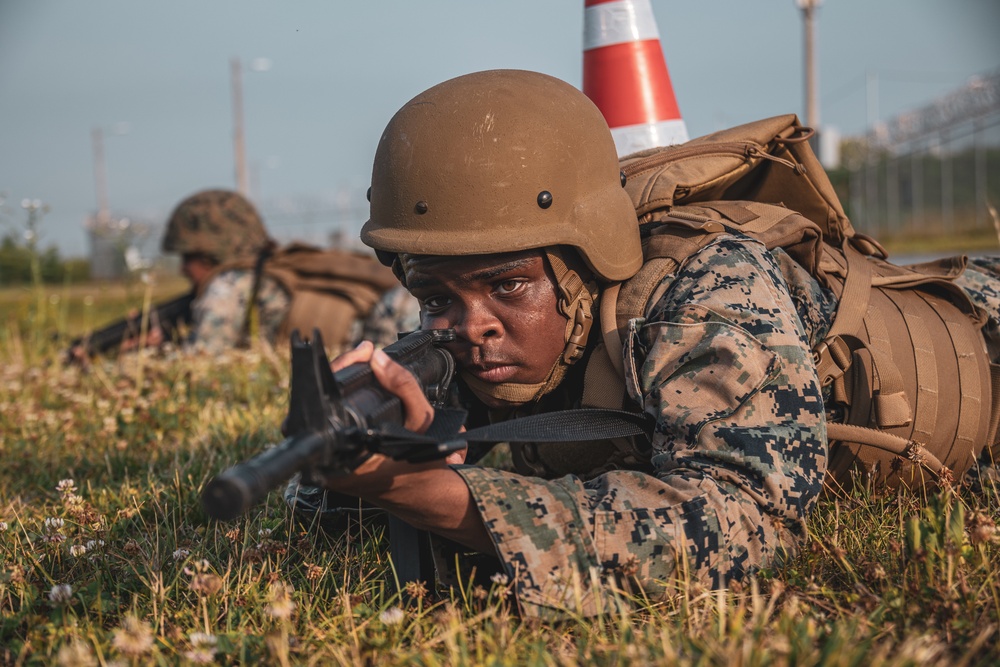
[(918, 370)]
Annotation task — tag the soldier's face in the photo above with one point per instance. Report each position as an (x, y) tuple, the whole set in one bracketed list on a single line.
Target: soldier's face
[(196, 268), (503, 308)]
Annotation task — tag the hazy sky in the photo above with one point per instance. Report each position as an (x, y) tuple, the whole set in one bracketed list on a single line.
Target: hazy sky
[(339, 70)]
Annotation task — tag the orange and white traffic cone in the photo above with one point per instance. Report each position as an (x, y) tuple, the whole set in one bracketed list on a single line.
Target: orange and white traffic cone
[(625, 74)]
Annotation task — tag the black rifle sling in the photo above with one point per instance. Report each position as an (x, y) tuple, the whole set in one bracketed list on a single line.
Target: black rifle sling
[(578, 425)]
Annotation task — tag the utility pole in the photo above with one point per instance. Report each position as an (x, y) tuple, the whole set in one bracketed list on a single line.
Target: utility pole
[(809, 8), (239, 147), (100, 176)]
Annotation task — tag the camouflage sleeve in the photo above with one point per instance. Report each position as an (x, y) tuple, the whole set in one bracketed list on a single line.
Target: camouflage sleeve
[(220, 312), (739, 453), (981, 281)]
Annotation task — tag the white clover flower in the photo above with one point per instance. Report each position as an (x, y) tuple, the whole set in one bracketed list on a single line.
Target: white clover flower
[(77, 550), (94, 544), (61, 593), (54, 523), (76, 654), (3, 526), (202, 639), (202, 648), (66, 486), (264, 532), (392, 616), (72, 499), (280, 604), (181, 554), (134, 638), (200, 656), (500, 579)]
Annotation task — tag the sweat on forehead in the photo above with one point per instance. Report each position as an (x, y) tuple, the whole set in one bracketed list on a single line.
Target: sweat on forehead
[(482, 266)]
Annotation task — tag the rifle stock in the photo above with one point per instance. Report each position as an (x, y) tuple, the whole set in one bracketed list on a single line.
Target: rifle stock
[(168, 315)]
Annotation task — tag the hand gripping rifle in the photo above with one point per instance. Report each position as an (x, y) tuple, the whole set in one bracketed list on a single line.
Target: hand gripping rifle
[(168, 315), (336, 420)]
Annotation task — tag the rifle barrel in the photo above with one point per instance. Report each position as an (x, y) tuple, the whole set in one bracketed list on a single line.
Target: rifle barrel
[(239, 488)]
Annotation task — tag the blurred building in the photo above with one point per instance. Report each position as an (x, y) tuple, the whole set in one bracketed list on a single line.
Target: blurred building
[(117, 245)]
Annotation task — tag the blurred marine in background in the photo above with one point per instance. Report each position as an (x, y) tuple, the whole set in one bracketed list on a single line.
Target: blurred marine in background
[(246, 287)]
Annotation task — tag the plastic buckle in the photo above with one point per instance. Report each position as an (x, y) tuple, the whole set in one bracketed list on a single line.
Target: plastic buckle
[(832, 358)]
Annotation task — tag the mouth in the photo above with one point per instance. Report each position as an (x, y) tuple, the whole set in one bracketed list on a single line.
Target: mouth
[(493, 373)]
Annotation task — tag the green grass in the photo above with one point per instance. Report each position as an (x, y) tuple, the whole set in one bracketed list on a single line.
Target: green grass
[(34, 317), (123, 567), (957, 242)]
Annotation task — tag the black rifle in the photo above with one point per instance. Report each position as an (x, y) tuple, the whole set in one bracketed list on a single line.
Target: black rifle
[(335, 420), (169, 316)]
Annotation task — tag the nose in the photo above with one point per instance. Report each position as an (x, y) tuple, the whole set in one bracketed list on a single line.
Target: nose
[(478, 323)]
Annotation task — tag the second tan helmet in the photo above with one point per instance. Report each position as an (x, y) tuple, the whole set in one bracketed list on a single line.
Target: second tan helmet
[(501, 161)]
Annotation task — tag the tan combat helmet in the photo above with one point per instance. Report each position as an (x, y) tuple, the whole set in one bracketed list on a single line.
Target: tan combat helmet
[(501, 161), (220, 224)]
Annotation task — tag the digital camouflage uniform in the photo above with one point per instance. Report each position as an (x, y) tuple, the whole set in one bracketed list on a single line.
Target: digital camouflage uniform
[(219, 313), (723, 361), (396, 312)]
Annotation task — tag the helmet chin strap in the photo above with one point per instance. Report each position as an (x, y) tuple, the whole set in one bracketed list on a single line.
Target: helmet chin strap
[(576, 303)]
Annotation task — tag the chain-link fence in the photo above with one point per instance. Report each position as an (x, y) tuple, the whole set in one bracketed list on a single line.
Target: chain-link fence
[(943, 186), (932, 172)]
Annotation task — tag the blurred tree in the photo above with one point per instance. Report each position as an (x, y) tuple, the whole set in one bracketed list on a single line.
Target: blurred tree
[(15, 264)]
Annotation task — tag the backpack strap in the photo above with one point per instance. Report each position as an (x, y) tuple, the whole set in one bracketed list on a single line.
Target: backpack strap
[(857, 290), (258, 273)]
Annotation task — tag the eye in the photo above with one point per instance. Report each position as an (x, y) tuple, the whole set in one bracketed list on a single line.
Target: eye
[(509, 286), (435, 303)]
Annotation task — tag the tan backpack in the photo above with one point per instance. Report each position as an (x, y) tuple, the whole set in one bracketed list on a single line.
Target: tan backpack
[(330, 289), (912, 386)]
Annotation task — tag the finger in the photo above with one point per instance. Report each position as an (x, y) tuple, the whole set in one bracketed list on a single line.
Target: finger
[(399, 381), (359, 355), (457, 458)]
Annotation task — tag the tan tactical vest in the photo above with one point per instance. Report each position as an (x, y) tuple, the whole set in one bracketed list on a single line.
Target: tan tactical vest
[(913, 392), (329, 289)]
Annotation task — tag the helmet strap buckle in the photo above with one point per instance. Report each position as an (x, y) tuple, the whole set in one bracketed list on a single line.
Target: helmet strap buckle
[(576, 300), (577, 342)]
